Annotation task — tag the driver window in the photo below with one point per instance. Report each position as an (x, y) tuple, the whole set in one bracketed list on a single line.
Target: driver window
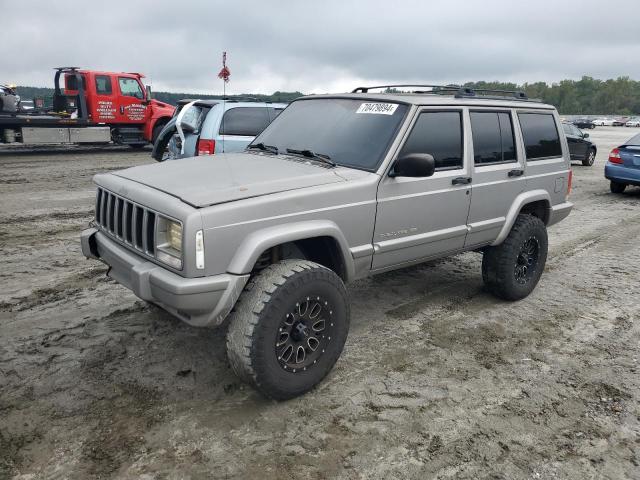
[(130, 87), (439, 134)]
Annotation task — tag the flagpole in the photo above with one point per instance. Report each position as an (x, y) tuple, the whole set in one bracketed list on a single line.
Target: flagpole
[(224, 75)]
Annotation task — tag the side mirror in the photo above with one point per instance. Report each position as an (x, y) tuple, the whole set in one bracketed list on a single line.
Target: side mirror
[(148, 89), (414, 165), (585, 135)]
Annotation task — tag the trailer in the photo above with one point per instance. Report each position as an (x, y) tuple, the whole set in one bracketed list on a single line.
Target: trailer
[(91, 107)]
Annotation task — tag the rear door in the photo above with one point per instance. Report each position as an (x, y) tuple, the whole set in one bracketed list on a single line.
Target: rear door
[(239, 126), (546, 167), (104, 108), (498, 173), (131, 107)]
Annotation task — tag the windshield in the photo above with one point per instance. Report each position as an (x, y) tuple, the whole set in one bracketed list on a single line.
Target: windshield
[(353, 133)]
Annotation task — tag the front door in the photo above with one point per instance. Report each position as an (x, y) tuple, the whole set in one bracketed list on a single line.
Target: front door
[(498, 174), (132, 107), (421, 218), (577, 145)]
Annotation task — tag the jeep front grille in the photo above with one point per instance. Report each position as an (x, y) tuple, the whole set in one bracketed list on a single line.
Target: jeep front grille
[(127, 222)]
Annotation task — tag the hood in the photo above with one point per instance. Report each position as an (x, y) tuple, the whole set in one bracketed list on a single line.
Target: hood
[(209, 180), (162, 106)]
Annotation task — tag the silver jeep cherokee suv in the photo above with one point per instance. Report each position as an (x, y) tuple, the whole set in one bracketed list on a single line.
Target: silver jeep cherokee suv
[(338, 187)]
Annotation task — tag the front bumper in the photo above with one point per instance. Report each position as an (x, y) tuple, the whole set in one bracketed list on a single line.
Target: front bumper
[(201, 302)]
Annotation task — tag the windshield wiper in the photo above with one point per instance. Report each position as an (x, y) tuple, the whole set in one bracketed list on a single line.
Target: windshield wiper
[(310, 154), (265, 148)]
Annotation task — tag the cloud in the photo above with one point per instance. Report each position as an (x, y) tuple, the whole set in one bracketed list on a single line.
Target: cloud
[(326, 46)]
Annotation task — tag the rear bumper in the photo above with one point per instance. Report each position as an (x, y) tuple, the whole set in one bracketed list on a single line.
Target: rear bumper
[(622, 174), (201, 302), (559, 212)]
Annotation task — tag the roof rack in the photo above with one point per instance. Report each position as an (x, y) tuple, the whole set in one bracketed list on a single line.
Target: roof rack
[(460, 91)]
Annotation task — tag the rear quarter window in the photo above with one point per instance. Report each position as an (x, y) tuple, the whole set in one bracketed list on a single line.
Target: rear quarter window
[(247, 122), (540, 134)]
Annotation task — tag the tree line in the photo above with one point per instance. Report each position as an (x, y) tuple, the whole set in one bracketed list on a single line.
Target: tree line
[(587, 96)]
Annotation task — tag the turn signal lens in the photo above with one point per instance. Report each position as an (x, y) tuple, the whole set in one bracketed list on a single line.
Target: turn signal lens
[(199, 250)]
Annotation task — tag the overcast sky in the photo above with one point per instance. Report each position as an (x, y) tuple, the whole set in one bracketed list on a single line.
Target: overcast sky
[(321, 45)]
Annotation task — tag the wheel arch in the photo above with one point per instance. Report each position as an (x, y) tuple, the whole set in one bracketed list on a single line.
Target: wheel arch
[(535, 202), (321, 241)]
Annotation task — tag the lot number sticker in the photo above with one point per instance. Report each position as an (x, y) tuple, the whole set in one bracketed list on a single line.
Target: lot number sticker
[(378, 108)]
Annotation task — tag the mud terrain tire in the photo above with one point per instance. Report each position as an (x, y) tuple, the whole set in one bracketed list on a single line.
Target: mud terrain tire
[(512, 269), (288, 328)]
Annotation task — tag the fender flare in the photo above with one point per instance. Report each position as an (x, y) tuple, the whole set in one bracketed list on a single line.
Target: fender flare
[(258, 241), (520, 201)]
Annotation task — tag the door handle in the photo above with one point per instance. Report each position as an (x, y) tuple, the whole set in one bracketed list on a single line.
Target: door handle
[(461, 181), (121, 109), (516, 173)]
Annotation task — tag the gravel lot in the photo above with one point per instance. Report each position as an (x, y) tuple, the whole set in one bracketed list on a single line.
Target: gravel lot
[(438, 379)]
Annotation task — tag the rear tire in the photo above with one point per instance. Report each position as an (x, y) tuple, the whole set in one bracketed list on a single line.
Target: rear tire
[(590, 158), (512, 269), (617, 187), (288, 328)]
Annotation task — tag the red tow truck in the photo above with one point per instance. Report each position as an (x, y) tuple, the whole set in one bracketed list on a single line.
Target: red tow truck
[(92, 107)]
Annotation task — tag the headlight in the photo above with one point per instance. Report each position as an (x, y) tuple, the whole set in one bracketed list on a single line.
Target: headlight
[(169, 242), (174, 235)]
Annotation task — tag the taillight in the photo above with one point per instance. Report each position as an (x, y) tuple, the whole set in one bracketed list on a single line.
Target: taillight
[(614, 156), (570, 182), (206, 147)]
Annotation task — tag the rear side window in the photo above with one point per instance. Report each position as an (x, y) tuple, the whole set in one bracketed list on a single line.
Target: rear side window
[(244, 121), (440, 135), (492, 138), (103, 85), (541, 139)]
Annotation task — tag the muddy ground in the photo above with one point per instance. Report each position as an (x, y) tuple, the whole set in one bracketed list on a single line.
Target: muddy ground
[(438, 378)]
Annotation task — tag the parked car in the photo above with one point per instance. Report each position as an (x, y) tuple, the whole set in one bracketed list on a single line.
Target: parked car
[(584, 123), (633, 122), (623, 167), (620, 121), (213, 126), (603, 122), (337, 188), (580, 147)]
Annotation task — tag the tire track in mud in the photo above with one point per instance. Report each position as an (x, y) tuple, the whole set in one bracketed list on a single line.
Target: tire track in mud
[(57, 292)]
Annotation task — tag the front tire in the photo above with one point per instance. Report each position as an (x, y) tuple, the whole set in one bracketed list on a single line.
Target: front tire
[(617, 187), (288, 328), (512, 269), (590, 158)]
